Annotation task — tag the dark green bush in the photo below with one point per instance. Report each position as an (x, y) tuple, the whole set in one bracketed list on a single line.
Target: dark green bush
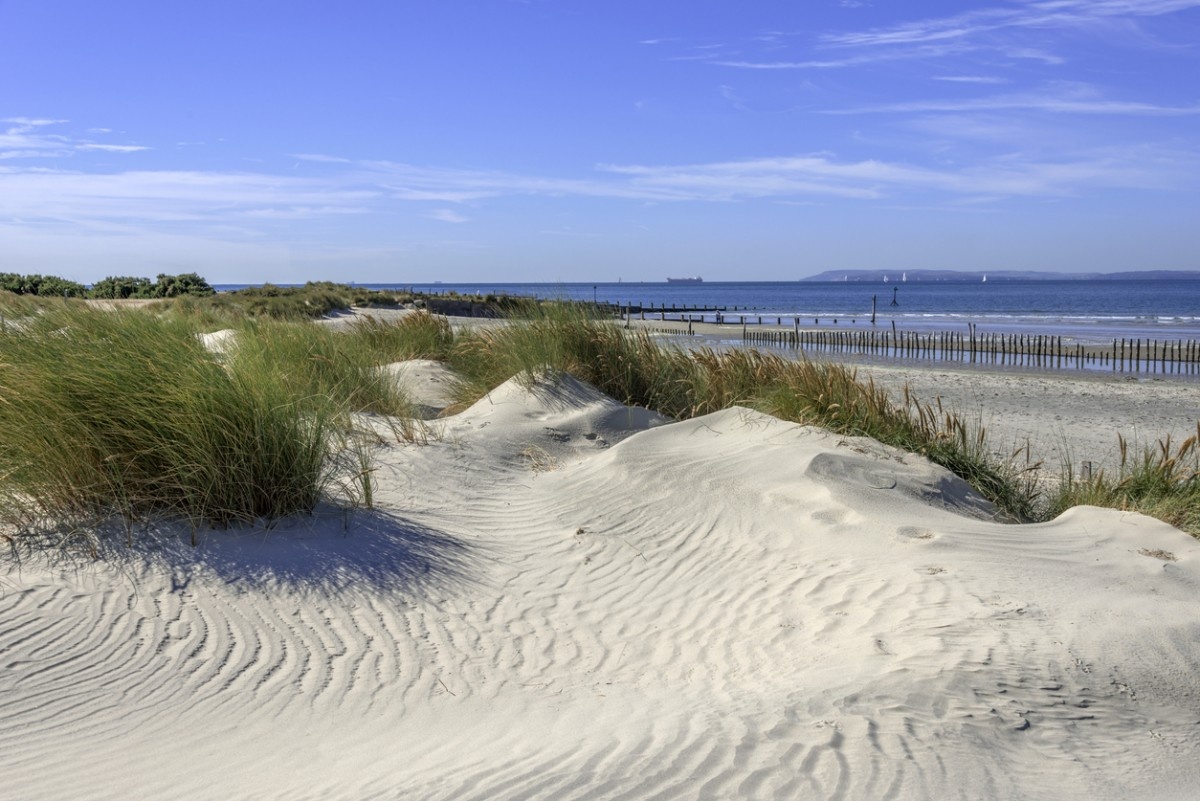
[(46, 286)]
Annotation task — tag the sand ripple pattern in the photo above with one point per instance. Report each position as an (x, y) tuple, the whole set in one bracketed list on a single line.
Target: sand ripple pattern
[(562, 598)]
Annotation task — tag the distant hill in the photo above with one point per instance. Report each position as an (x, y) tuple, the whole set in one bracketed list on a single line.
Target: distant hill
[(960, 276)]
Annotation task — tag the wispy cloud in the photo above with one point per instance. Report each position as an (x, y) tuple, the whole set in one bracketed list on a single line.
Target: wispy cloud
[(412, 182), (981, 79), (1059, 98), (1007, 176), (840, 62), (29, 138), (1015, 31), (448, 216), (1038, 14), (110, 148), (174, 196), (31, 122), (320, 158), (302, 212), (252, 205), (730, 94)]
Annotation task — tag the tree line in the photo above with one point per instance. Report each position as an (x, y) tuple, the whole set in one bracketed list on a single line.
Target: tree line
[(117, 287)]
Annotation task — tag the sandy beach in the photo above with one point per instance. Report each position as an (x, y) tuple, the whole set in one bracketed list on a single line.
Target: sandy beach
[(561, 597)]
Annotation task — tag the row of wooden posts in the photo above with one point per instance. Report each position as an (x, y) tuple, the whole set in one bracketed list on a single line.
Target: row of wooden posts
[(1135, 355), (973, 346)]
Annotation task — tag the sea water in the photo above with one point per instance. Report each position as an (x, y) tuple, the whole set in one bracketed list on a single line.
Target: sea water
[(1083, 311)]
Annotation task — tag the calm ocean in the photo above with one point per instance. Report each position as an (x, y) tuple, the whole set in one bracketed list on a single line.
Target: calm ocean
[(1083, 311)]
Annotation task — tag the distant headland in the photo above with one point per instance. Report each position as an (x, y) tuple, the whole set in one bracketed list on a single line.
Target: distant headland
[(960, 276)]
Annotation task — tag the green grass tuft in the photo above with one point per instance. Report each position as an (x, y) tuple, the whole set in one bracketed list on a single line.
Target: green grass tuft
[(125, 414), (1162, 481)]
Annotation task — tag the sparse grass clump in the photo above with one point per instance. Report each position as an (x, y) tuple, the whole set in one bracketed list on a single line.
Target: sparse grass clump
[(563, 337), (1162, 481), (122, 414)]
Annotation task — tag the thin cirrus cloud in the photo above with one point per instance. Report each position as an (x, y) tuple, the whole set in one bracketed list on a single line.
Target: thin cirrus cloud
[(980, 79), (168, 196), (841, 62), (448, 216), (332, 185), (816, 175), (1043, 14), (27, 137), (111, 148), (1061, 99), (997, 29), (214, 199)]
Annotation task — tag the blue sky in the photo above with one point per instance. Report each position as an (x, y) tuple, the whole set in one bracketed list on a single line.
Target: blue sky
[(561, 140)]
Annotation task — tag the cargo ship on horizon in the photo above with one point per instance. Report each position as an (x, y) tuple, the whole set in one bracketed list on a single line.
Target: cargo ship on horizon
[(695, 279)]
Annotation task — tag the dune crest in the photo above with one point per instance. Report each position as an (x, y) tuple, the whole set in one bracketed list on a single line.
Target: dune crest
[(562, 597)]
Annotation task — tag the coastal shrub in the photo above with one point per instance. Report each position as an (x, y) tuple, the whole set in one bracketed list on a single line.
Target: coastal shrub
[(172, 286), (121, 287), (165, 286), (46, 286), (121, 414)]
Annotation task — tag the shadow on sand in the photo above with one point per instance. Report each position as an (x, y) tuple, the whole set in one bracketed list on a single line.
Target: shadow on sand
[(330, 552)]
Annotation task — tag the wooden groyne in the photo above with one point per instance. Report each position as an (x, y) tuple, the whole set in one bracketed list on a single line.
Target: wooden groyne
[(1154, 356)]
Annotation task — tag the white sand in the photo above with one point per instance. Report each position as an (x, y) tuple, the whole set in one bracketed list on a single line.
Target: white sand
[(428, 384), (562, 598)]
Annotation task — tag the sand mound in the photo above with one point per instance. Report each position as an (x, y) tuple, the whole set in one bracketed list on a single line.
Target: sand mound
[(219, 341), (343, 319), (565, 598), (429, 384)]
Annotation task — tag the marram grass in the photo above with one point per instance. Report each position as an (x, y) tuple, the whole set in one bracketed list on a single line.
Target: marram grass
[(126, 415), (1162, 481), (315, 365)]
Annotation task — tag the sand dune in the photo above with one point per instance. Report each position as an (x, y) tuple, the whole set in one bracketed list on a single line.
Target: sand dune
[(561, 597)]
